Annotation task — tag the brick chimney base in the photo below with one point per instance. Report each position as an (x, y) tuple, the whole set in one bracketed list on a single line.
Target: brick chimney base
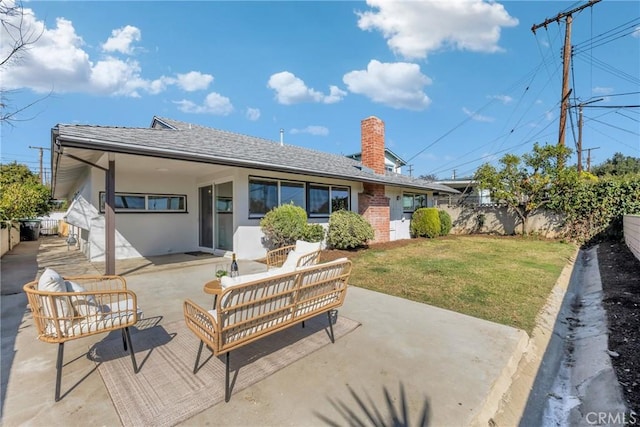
[(373, 205)]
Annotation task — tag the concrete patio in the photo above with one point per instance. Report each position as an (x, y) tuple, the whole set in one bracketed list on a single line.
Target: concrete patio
[(447, 368)]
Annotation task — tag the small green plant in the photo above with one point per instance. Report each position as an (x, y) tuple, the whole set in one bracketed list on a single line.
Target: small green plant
[(425, 223), (348, 230), (221, 273), (284, 225), (445, 222), (314, 233), (481, 218)]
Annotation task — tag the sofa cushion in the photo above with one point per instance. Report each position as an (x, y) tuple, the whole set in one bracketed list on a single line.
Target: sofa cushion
[(227, 281), (291, 262), (83, 305), (51, 281)]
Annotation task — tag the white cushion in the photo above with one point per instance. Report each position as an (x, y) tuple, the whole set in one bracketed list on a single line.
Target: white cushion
[(51, 281), (84, 305), (226, 281), (303, 247), (291, 262)]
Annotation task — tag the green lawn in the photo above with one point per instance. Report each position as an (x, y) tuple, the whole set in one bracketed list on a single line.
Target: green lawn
[(505, 280)]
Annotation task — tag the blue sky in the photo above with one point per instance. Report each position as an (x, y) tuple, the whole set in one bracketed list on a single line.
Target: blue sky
[(457, 83)]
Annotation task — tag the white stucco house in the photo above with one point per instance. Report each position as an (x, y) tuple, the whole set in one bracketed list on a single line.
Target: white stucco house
[(179, 187)]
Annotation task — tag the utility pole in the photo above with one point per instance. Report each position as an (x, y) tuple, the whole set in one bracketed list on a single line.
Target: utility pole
[(566, 59), (588, 150), (582, 104), (41, 171), (410, 167)]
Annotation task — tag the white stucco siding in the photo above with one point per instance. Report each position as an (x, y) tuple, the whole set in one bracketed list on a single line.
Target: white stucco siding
[(147, 233)]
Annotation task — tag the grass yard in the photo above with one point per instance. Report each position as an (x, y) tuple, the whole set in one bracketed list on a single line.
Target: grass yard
[(504, 280)]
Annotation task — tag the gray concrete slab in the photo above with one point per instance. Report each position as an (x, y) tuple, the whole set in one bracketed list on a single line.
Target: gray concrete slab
[(407, 359)]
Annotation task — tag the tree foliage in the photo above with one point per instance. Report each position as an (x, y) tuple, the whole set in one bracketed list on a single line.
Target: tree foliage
[(21, 194), (524, 183), (283, 225), (618, 165)]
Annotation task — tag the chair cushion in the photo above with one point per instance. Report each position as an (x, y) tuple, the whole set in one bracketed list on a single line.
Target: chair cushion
[(83, 305), (291, 262), (51, 281), (306, 247)]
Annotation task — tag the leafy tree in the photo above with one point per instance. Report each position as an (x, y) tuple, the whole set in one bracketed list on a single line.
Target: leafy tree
[(525, 183), (21, 194), (618, 165), (429, 177)]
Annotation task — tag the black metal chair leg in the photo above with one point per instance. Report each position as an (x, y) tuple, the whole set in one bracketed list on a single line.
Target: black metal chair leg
[(59, 369), (124, 340), (133, 354), (195, 367), (303, 323), (331, 326), (227, 392)]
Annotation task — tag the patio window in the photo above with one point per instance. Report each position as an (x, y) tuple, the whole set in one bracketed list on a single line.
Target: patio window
[(142, 202), (411, 201), (318, 200), (265, 195)]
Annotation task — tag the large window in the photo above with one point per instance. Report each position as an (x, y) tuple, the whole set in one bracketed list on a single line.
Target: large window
[(140, 202), (411, 202), (317, 199)]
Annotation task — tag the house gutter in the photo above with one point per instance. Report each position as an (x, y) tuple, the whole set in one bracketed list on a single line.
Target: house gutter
[(116, 147)]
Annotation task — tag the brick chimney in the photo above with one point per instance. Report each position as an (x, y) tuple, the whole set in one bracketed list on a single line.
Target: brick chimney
[(372, 140), (373, 204)]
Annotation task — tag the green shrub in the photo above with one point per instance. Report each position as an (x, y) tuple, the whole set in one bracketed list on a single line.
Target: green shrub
[(284, 225), (425, 223), (314, 233), (348, 230), (445, 222)]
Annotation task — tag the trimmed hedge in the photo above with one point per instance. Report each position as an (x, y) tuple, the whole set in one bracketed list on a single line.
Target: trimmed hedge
[(425, 222), (348, 230), (445, 222), (285, 224)]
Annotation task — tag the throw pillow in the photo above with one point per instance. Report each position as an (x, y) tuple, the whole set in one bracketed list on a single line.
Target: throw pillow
[(83, 305), (306, 247), (51, 281)]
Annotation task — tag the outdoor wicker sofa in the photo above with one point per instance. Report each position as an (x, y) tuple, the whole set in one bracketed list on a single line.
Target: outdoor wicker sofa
[(68, 308), (254, 306)]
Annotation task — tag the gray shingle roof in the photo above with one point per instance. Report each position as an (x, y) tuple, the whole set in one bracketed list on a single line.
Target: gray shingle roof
[(192, 142)]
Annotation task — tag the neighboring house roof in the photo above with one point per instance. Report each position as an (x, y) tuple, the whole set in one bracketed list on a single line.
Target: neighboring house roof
[(388, 153), (173, 139)]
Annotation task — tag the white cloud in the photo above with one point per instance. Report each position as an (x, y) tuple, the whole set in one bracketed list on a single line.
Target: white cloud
[(414, 29), (398, 85), (121, 40), (253, 114), (312, 130), (59, 61), (505, 99), (636, 32), (194, 80), (292, 90), (602, 90), (477, 117), (214, 103)]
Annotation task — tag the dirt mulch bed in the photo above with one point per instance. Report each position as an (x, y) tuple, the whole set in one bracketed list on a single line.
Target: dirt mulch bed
[(620, 274)]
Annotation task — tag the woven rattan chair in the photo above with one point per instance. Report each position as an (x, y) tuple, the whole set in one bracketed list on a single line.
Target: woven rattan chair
[(277, 257), (92, 305)]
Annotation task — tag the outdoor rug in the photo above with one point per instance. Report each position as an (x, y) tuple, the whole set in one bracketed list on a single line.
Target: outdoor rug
[(165, 391)]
